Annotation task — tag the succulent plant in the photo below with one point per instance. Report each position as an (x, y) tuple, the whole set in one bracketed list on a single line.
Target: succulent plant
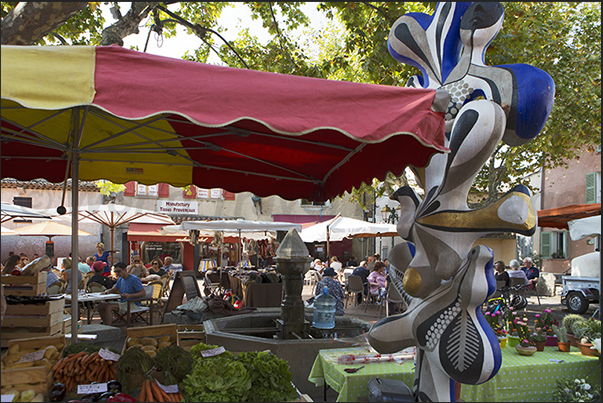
[(572, 322), (561, 333)]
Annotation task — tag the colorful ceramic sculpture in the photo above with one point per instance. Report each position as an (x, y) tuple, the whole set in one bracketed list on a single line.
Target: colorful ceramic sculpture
[(444, 280)]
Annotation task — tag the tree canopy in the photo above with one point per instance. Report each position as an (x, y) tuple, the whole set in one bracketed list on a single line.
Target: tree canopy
[(563, 39)]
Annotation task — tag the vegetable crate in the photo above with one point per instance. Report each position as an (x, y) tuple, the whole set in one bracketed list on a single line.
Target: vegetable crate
[(67, 325), (189, 335), (157, 331), (23, 321), (25, 286), (38, 378)]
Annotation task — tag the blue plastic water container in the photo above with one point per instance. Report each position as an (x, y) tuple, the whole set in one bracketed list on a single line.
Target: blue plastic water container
[(324, 311)]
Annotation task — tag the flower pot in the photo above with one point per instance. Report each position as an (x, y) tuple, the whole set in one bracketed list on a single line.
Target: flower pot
[(540, 345), (564, 346), (513, 341), (573, 341), (525, 350), (551, 341), (502, 341), (585, 349)]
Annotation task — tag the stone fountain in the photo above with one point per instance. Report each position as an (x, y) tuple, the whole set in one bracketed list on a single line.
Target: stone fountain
[(290, 334)]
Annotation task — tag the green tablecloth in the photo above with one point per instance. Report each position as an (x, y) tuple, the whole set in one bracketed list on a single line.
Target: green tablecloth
[(520, 378)]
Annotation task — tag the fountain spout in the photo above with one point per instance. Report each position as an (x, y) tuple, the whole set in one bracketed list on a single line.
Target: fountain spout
[(292, 261)]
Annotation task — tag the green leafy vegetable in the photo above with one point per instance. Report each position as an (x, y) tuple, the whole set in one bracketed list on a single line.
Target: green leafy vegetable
[(176, 363), (270, 377), (78, 347), (133, 363)]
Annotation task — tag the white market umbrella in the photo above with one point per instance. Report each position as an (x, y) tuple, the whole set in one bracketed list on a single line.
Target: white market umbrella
[(11, 211), (8, 231), (339, 228), (49, 229), (113, 215)]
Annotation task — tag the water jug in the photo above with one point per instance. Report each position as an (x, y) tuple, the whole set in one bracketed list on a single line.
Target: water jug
[(324, 311)]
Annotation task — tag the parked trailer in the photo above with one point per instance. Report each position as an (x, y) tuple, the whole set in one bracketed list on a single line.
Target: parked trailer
[(579, 292)]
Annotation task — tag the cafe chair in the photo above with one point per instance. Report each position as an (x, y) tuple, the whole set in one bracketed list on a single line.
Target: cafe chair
[(134, 314), (157, 293), (353, 288), (211, 282), (394, 297), (54, 288), (95, 287), (87, 278)]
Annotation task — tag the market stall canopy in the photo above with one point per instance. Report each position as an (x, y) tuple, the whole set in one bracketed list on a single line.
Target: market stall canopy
[(239, 225), (559, 216), (49, 229), (228, 236), (584, 227), (124, 115), (8, 231), (339, 228), (12, 211)]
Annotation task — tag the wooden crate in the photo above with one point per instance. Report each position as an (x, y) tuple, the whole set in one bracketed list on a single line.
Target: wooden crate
[(25, 286), (37, 378), (67, 325), (189, 335), (157, 331), (23, 321)]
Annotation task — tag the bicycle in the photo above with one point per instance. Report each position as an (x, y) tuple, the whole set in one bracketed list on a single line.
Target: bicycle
[(508, 299)]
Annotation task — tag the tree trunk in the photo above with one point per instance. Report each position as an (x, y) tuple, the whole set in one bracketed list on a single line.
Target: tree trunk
[(31, 21), (128, 24)]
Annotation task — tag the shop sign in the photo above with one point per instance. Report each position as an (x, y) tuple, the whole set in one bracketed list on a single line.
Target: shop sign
[(177, 207)]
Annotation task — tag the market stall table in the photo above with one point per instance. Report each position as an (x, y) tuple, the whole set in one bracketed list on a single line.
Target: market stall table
[(520, 379), (92, 298)]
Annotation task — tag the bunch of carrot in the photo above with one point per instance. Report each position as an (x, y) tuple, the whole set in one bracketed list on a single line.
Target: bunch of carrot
[(152, 392), (83, 368)]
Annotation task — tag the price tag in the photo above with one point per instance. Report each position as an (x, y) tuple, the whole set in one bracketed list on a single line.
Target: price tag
[(92, 388), (8, 398), (35, 356), (213, 352), (168, 388), (108, 355)]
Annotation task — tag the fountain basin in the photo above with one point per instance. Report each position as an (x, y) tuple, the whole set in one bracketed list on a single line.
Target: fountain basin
[(260, 331)]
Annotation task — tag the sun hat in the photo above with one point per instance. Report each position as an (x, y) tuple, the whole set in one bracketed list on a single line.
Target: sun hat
[(98, 265), (330, 272)]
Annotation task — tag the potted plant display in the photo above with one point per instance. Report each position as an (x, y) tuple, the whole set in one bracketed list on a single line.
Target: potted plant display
[(571, 323), (495, 322), (545, 322), (562, 342), (587, 332), (526, 343)]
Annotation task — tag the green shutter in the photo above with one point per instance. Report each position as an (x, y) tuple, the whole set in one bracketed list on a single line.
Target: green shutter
[(591, 187), (565, 235), (545, 244)]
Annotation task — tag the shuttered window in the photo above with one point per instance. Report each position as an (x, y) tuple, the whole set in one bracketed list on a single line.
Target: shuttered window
[(545, 244), (593, 187)]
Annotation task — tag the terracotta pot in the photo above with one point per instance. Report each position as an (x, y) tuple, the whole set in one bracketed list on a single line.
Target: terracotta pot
[(573, 341), (551, 341), (513, 341), (525, 350), (585, 349), (540, 345), (564, 346)]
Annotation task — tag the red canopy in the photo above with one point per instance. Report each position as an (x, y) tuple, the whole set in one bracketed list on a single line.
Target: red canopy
[(155, 119), (559, 216)]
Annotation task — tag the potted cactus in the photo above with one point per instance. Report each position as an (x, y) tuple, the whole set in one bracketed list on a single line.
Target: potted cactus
[(562, 342), (572, 322)]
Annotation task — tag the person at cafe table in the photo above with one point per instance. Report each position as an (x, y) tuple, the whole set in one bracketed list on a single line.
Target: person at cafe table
[(129, 287)]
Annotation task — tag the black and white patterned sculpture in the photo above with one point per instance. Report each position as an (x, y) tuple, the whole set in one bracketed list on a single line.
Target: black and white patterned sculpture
[(444, 280)]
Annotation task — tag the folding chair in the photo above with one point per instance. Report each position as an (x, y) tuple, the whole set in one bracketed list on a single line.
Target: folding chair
[(211, 282), (95, 287), (132, 314)]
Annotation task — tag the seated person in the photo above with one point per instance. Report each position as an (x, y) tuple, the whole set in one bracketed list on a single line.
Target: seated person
[(362, 271), (50, 277), (66, 275), (168, 265), (137, 268), (516, 272), (500, 274), (335, 289), (377, 280), (156, 268), (98, 277), (532, 273), (129, 286)]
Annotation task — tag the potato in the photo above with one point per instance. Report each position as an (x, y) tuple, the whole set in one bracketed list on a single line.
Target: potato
[(38, 398), (13, 349), (146, 349), (152, 353), (165, 338), (163, 344), (27, 395), (17, 365), (132, 341), (149, 341)]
